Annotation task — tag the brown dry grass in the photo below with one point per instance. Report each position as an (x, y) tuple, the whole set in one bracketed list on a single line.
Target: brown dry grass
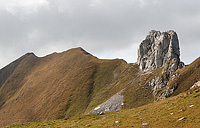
[(59, 85), (165, 114)]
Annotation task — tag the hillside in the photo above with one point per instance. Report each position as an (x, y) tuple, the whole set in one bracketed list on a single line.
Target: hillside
[(75, 83), (15, 73), (52, 90), (60, 85), (178, 111)]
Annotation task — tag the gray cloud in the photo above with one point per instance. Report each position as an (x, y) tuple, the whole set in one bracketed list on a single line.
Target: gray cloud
[(106, 28)]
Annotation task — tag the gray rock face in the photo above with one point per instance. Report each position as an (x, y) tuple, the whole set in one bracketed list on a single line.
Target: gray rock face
[(160, 50), (157, 49)]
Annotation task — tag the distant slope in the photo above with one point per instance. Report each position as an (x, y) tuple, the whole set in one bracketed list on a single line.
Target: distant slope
[(15, 73), (9, 69), (181, 111)]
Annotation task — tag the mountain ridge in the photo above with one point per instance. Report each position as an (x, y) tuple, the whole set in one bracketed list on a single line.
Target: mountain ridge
[(74, 82), (52, 88)]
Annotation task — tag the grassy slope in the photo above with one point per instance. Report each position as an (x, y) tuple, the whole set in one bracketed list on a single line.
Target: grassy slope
[(59, 85), (128, 77), (16, 79), (186, 77), (56, 85), (154, 114), (138, 92), (104, 86)]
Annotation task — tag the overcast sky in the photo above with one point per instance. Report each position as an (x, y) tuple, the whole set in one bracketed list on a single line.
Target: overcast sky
[(105, 28)]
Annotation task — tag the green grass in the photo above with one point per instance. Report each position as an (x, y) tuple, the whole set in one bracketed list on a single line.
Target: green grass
[(154, 114)]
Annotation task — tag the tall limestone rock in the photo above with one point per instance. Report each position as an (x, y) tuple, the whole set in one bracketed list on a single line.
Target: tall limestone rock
[(160, 50)]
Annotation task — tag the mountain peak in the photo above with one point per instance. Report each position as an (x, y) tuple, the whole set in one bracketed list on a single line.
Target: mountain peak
[(79, 50), (29, 53)]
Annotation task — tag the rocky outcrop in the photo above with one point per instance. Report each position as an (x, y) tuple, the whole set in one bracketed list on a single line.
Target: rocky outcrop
[(160, 50)]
